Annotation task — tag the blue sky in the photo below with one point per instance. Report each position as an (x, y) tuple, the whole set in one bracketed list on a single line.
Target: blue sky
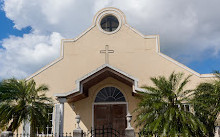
[(7, 28), (189, 30)]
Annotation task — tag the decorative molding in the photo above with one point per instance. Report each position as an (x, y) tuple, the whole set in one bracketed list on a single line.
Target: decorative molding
[(156, 37), (139, 33), (186, 68), (123, 19), (61, 53), (101, 16), (106, 10), (89, 76)]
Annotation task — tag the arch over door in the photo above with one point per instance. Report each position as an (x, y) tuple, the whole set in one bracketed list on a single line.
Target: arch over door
[(110, 94), (113, 113)]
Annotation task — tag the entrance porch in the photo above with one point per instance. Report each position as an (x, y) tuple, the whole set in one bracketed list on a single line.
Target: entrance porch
[(103, 98)]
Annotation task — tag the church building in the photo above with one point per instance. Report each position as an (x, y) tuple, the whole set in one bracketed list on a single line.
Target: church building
[(99, 73)]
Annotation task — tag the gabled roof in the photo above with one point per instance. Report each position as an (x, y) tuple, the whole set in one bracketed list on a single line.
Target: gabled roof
[(96, 76), (120, 13)]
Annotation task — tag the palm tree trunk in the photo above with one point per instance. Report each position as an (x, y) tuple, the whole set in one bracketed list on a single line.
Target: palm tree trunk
[(33, 132), (13, 125), (33, 129), (9, 128)]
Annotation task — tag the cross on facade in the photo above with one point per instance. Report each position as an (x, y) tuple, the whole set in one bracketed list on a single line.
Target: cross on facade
[(106, 51)]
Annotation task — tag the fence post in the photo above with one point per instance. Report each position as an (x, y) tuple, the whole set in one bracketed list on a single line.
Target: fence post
[(129, 131), (7, 134), (78, 132)]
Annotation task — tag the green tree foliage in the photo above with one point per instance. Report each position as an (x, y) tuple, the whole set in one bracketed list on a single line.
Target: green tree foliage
[(207, 103), (161, 109), (22, 101)]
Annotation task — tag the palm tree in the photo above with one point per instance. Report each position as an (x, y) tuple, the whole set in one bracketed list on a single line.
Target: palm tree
[(22, 101), (207, 103), (161, 110)]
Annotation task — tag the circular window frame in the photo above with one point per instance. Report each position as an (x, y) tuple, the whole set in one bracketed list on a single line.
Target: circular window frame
[(103, 15)]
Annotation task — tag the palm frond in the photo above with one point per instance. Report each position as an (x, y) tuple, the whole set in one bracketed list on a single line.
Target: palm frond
[(21, 101), (161, 112)]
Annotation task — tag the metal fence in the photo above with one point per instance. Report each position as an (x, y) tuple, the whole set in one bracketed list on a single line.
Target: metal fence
[(97, 132), (44, 135), (66, 134), (105, 132)]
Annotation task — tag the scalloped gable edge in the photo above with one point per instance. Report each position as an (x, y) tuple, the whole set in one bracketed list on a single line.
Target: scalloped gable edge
[(167, 57), (134, 30), (61, 53)]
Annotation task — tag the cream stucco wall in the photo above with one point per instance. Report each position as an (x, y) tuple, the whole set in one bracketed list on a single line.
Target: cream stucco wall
[(134, 53)]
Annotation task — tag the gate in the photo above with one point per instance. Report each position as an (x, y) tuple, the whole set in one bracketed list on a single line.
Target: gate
[(105, 132)]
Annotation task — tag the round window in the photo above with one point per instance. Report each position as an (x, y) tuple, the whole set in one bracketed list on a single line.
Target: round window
[(109, 23)]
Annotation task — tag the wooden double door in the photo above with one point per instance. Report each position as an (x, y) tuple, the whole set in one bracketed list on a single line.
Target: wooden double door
[(111, 115)]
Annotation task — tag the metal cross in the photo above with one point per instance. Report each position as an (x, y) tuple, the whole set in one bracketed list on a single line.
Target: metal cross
[(106, 51)]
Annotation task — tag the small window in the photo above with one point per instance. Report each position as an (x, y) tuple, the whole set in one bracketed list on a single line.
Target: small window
[(109, 23), (187, 107), (110, 94)]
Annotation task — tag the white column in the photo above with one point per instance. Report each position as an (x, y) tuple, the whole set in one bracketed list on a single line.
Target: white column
[(61, 101), (26, 127)]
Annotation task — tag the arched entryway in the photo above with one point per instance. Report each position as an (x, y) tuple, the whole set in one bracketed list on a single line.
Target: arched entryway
[(110, 109)]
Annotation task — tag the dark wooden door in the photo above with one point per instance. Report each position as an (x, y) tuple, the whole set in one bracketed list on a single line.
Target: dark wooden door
[(111, 115)]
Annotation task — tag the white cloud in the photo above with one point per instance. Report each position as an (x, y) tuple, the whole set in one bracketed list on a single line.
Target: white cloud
[(50, 15), (186, 28), (22, 56)]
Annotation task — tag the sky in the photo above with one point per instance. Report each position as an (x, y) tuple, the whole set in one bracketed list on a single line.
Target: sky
[(31, 30)]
